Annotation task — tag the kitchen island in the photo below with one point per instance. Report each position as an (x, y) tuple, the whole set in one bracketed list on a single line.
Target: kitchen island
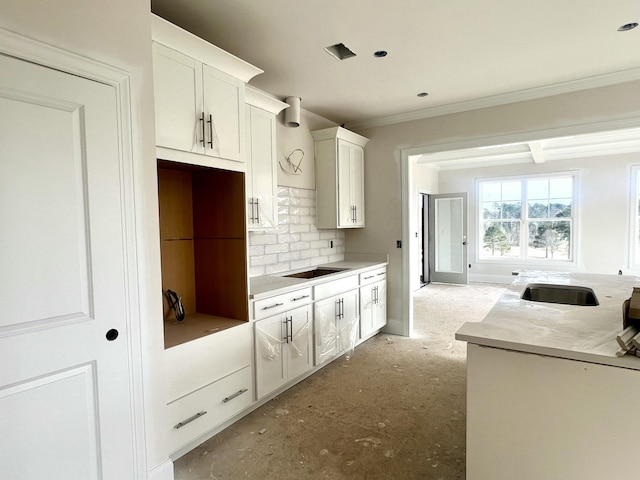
[(547, 396)]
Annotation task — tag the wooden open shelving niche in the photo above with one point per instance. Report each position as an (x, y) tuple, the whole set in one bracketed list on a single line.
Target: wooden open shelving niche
[(203, 249)]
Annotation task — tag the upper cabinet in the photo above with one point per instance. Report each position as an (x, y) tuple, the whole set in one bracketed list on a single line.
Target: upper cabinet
[(199, 98), (339, 178), (262, 162)]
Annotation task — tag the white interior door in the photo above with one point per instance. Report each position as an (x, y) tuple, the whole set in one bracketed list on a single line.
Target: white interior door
[(65, 401), (448, 238)]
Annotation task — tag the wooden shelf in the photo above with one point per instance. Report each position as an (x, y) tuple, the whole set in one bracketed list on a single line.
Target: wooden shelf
[(195, 325), (203, 249)]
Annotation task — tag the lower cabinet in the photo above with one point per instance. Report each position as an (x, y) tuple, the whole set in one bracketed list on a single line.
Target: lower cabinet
[(373, 302), (336, 325), (283, 346), (195, 414), (209, 380)]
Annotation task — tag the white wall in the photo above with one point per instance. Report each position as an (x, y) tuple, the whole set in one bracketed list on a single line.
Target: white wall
[(118, 33), (578, 112), (603, 209), (290, 139)]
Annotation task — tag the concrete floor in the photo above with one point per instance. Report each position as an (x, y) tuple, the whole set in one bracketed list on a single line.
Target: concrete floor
[(395, 410)]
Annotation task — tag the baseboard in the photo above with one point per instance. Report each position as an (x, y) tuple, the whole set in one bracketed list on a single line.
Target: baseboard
[(488, 278), (164, 471)]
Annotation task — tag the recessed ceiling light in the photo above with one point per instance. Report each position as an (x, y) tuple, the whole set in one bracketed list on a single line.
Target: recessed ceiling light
[(423, 94), (380, 53), (340, 51), (627, 26)]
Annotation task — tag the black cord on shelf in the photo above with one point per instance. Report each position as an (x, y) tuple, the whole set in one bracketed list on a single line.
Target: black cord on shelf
[(175, 302)]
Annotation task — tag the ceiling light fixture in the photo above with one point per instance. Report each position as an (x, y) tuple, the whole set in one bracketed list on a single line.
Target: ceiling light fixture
[(380, 53), (422, 94), (627, 26)]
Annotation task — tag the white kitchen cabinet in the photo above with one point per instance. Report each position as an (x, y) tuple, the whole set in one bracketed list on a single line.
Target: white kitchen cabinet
[(547, 418), (199, 96), (339, 158), (373, 302), (335, 325), (261, 178), (283, 348), (208, 381), (198, 108)]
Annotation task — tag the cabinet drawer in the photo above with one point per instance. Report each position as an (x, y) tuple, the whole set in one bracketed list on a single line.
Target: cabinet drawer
[(335, 287), (281, 303), (373, 275), (194, 364), (197, 413)]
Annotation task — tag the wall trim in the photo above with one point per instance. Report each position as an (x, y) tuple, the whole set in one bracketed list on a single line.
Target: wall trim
[(164, 471), (587, 83)]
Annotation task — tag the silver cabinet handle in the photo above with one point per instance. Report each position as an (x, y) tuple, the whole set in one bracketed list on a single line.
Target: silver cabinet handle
[(210, 122), (272, 306), (299, 298), (370, 276), (382, 273), (202, 127), (286, 329), (251, 219), (235, 395), (190, 419), (257, 211)]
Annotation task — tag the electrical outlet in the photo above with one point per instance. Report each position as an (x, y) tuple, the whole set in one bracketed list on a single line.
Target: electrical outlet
[(398, 243)]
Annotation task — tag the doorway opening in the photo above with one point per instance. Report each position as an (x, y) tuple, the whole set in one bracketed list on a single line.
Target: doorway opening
[(425, 278)]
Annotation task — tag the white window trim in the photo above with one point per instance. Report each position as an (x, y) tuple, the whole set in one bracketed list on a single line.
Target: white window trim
[(634, 263), (531, 262)]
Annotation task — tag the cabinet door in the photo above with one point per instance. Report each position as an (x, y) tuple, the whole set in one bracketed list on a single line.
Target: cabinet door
[(379, 319), (299, 348), (262, 208), (177, 81), (270, 362), (348, 320), (325, 329), (224, 114), (367, 310), (356, 183), (345, 206)]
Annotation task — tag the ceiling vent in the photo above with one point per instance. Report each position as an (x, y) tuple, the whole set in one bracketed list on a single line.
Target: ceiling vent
[(339, 51)]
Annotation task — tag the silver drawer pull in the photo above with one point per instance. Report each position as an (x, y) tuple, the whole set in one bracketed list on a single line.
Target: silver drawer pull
[(237, 394), (190, 419), (272, 306), (299, 298), (382, 273), (370, 276)]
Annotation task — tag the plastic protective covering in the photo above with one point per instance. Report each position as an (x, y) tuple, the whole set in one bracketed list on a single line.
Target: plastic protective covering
[(335, 335), (270, 348)]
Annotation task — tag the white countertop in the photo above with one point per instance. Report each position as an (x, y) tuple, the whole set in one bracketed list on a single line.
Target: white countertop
[(586, 333), (268, 285)]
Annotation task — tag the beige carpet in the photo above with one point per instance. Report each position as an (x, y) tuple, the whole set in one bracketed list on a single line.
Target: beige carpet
[(396, 410)]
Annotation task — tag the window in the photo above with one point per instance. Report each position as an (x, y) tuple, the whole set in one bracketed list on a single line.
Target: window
[(527, 218)]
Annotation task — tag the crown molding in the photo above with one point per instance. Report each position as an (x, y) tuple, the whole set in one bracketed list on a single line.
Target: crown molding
[(587, 83)]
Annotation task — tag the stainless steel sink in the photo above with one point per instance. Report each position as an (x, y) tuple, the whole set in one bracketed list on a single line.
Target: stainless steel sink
[(565, 294), (316, 272)]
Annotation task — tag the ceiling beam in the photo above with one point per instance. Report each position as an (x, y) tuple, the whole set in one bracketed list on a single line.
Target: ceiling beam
[(537, 152)]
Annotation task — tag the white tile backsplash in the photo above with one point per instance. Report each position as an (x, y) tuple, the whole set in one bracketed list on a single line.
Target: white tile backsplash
[(296, 242)]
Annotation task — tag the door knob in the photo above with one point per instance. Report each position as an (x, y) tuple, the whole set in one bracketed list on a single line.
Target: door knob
[(112, 334)]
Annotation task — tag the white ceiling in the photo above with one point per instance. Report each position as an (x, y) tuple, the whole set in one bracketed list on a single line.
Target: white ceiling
[(464, 53)]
